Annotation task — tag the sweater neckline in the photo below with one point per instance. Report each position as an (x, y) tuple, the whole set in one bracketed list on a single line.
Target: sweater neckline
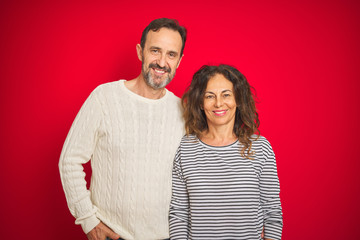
[(141, 98)]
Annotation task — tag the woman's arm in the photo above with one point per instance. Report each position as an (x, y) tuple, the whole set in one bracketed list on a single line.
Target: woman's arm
[(179, 207), (269, 195)]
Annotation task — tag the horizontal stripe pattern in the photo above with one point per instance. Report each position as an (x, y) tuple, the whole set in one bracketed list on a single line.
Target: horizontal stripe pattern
[(217, 194)]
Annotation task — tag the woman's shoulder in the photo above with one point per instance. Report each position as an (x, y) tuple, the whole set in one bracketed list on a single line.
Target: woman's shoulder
[(189, 143), (261, 146), (260, 143), (189, 138), (259, 140)]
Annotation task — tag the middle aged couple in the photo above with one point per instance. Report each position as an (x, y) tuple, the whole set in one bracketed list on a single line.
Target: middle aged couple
[(149, 181)]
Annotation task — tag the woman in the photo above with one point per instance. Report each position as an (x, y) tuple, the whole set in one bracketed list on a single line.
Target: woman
[(225, 183)]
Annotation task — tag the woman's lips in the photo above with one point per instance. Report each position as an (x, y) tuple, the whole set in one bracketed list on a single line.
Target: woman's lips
[(220, 112)]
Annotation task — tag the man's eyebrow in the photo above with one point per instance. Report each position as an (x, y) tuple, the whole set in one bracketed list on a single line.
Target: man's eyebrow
[(159, 48), (175, 52)]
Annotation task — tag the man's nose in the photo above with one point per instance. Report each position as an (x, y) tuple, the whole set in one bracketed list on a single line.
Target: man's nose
[(162, 60)]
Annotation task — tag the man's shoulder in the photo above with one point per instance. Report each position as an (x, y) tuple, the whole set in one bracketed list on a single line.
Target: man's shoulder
[(108, 86), (172, 95), (104, 90), (172, 99)]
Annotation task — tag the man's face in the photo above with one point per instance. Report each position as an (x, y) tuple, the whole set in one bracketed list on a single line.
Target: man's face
[(160, 57)]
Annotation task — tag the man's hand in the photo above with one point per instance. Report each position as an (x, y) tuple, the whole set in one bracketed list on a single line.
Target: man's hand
[(100, 232)]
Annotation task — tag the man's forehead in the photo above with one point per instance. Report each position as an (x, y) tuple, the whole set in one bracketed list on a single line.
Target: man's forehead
[(164, 38)]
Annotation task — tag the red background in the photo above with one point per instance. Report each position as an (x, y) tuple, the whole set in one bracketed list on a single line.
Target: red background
[(301, 56)]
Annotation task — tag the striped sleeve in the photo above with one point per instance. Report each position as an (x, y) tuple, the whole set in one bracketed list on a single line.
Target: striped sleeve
[(179, 206), (269, 194)]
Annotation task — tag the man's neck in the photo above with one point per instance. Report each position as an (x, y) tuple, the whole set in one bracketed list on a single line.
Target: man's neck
[(139, 87)]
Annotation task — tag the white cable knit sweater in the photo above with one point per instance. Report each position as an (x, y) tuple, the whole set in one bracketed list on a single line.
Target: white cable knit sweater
[(131, 141)]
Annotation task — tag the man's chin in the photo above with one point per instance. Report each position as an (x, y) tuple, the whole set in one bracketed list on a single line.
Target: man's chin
[(157, 86), (159, 83)]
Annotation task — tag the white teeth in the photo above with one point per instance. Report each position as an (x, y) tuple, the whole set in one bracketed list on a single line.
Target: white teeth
[(159, 71), (219, 112)]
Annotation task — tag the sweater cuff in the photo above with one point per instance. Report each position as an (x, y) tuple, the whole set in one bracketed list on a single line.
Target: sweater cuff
[(89, 223), (273, 231)]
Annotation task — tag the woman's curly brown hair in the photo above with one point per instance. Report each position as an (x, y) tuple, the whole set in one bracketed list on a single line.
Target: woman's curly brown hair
[(246, 116)]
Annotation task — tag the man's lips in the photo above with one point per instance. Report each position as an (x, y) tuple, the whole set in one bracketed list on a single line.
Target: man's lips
[(219, 112), (159, 70)]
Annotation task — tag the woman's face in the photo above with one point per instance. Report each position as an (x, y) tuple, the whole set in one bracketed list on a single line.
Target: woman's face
[(219, 102)]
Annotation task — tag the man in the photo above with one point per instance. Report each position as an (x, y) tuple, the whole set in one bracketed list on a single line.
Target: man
[(130, 130)]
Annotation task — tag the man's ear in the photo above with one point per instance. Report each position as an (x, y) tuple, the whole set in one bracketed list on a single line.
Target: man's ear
[(139, 52), (179, 61)]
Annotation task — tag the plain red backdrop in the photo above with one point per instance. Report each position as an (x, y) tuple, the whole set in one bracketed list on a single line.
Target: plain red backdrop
[(301, 56)]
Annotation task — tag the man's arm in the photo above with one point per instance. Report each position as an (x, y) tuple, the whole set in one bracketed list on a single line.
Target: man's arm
[(77, 150)]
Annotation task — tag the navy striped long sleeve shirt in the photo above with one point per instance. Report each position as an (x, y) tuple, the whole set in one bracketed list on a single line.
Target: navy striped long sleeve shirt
[(217, 194)]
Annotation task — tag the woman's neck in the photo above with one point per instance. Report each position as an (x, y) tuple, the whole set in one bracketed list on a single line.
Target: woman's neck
[(219, 136)]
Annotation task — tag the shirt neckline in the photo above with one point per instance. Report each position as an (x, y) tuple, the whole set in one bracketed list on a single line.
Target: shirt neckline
[(217, 147)]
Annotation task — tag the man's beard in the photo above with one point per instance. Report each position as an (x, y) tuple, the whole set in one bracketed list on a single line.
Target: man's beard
[(150, 80)]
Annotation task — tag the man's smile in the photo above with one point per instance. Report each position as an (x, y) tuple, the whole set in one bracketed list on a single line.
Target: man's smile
[(159, 70)]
